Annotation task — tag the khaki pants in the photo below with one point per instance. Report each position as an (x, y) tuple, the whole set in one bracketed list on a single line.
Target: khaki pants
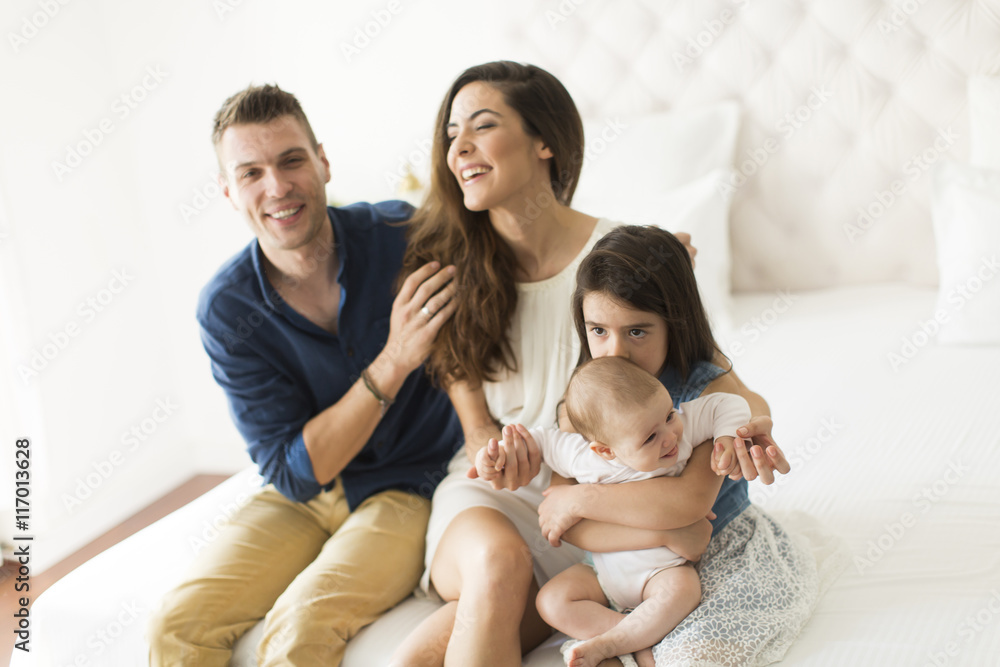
[(314, 571)]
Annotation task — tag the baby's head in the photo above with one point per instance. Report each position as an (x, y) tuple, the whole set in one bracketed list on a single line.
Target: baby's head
[(625, 413)]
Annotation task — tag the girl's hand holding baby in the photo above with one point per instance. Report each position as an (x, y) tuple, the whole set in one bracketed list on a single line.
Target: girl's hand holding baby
[(752, 454)]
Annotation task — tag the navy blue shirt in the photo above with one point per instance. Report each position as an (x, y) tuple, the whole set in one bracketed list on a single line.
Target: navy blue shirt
[(733, 497), (279, 370)]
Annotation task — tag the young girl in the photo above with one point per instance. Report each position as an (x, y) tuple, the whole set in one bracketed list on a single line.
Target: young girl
[(759, 585)]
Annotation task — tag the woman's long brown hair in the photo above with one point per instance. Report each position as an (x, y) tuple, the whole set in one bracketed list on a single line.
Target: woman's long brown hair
[(474, 344)]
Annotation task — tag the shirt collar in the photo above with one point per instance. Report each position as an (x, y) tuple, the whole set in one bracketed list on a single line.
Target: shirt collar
[(271, 296)]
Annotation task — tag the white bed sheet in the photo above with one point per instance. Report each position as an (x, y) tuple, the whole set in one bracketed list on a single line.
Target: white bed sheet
[(866, 440)]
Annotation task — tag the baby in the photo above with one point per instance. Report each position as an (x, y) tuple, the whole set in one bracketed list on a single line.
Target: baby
[(628, 431)]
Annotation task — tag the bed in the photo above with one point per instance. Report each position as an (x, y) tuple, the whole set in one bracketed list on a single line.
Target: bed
[(899, 463), (839, 167)]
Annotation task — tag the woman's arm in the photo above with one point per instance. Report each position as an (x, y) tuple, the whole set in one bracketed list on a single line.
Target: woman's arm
[(478, 424), (663, 503), (523, 457)]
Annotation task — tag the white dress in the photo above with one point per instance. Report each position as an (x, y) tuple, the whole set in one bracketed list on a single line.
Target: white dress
[(546, 349)]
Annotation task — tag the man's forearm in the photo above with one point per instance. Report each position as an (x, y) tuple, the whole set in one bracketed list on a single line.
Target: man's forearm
[(336, 435)]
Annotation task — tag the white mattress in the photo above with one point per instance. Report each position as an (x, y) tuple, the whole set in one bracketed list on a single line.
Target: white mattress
[(865, 441)]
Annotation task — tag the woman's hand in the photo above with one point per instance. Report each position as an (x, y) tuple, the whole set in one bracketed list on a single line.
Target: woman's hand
[(762, 457), (560, 510), (424, 303), (515, 461), (685, 238)]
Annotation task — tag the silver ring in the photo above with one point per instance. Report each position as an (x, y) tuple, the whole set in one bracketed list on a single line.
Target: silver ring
[(427, 312)]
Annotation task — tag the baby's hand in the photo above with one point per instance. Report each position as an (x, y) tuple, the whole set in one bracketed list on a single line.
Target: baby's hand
[(724, 460), (490, 461)]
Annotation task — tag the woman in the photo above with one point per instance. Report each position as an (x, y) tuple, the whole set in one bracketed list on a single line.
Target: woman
[(508, 149)]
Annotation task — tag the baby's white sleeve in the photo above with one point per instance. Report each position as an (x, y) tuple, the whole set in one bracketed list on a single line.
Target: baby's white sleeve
[(715, 415), (560, 450)]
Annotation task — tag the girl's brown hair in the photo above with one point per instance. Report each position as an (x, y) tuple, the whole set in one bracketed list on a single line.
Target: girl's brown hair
[(648, 269), (473, 345)]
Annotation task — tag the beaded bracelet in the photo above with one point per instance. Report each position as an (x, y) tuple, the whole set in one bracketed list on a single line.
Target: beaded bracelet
[(383, 401)]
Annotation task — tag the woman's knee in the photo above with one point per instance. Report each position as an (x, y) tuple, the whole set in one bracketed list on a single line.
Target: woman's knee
[(482, 548)]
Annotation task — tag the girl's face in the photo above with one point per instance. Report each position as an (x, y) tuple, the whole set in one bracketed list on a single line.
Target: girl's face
[(614, 329), (491, 156)]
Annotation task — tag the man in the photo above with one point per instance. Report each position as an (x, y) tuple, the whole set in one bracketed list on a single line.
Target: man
[(320, 364)]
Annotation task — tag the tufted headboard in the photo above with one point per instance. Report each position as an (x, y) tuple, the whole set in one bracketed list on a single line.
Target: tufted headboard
[(845, 106)]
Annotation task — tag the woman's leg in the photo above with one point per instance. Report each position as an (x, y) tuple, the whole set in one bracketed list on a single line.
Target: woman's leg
[(427, 644), (484, 566)]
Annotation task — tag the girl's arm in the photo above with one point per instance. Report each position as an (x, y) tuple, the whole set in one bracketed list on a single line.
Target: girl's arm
[(663, 503), (764, 456), (689, 542)]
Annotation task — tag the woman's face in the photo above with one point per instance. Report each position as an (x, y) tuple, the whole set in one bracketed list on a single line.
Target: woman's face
[(615, 329), (491, 156)]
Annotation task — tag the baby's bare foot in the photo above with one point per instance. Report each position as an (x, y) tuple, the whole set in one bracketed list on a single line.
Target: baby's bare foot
[(588, 654)]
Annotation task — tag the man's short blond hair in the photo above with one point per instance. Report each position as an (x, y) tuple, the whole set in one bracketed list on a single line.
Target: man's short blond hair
[(602, 390)]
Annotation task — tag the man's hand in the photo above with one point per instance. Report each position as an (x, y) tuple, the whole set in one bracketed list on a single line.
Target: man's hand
[(763, 456), (423, 305), (515, 463)]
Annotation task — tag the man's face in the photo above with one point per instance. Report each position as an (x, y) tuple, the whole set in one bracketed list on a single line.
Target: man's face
[(276, 179)]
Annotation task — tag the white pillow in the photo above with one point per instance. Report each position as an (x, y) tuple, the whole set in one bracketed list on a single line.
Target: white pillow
[(984, 121), (966, 213), (668, 169), (630, 157), (699, 209)]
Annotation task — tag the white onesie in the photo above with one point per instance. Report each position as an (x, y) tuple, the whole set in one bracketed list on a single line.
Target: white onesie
[(623, 574)]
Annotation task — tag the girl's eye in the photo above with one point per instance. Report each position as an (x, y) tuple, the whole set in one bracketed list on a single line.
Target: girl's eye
[(636, 333), (450, 139), (670, 417), (597, 331), (486, 126)]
